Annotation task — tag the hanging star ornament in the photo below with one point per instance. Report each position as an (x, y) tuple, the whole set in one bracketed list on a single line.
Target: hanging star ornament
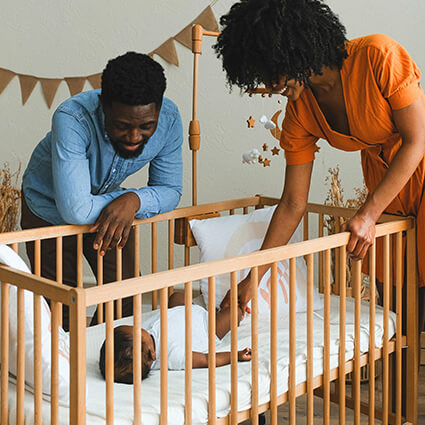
[(250, 122), (265, 147), (275, 151), (266, 163)]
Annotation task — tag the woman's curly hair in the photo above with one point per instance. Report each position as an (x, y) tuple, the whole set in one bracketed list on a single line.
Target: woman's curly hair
[(133, 79), (264, 40)]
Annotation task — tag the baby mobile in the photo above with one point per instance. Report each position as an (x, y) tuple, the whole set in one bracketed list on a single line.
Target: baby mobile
[(265, 157)]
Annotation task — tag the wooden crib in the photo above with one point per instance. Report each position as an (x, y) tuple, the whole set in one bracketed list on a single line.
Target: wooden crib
[(398, 354), (317, 252)]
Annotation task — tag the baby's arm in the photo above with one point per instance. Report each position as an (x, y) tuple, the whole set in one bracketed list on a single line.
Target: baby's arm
[(200, 360)]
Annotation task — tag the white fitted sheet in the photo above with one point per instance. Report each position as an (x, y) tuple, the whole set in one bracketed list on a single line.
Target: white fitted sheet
[(123, 394)]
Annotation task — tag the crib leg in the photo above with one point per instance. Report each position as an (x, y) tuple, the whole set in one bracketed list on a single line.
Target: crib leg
[(261, 419)]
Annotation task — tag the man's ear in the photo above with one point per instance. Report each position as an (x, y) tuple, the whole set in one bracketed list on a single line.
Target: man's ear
[(152, 353)]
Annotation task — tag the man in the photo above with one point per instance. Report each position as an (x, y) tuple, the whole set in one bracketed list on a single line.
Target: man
[(98, 139)]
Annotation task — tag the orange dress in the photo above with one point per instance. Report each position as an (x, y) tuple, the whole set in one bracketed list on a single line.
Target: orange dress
[(377, 76)]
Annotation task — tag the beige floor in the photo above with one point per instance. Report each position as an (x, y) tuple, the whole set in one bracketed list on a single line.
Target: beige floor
[(283, 410)]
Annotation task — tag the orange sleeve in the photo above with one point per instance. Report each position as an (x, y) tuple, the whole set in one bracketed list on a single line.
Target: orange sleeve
[(396, 73), (299, 145)]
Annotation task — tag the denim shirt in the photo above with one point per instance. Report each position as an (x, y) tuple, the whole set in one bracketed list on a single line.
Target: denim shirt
[(74, 172)]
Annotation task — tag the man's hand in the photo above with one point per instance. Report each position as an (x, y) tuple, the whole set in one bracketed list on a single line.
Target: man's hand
[(244, 355), (244, 295), (362, 228), (114, 222)]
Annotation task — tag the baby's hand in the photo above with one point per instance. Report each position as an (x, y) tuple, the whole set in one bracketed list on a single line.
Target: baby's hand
[(244, 355)]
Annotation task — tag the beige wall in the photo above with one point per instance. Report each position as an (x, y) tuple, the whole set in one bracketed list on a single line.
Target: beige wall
[(71, 38)]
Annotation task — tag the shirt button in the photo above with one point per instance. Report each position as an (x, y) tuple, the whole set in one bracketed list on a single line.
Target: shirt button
[(114, 170)]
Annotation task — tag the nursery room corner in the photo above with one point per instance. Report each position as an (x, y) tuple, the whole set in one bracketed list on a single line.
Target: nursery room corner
[(213, 221)]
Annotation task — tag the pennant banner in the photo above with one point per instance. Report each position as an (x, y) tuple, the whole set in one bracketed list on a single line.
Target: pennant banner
[(5, 78), (49, 86)]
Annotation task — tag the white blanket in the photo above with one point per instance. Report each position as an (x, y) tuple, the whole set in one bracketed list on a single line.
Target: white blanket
[(123, 394)]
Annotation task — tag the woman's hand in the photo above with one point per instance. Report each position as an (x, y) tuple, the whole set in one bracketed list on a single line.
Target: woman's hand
[(114, 222), (362, 229), (244, 295)]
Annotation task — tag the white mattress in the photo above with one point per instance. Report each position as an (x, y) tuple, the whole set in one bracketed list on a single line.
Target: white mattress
[(123, 394)]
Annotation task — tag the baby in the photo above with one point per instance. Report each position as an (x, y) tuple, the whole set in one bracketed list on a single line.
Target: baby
[(151, 337)]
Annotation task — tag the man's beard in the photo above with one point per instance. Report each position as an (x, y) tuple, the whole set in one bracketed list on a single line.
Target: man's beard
[(123, 153)]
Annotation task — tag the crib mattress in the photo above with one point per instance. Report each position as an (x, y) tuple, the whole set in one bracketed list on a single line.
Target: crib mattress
[(123, 394)]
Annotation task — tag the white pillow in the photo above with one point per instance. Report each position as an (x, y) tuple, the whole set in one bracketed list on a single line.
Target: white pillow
[(10, 258), (239, 234)]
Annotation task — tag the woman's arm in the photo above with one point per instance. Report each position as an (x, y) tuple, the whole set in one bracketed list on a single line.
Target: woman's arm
[(285, 220), (410, 122), (200, 360)]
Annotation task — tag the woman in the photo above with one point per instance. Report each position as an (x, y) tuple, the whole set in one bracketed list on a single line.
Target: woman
[(362, 94)]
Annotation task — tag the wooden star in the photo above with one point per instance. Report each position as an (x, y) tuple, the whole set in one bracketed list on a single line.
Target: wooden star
[(266, 163), (317, 149), (250, 122), (265, 147), (260, 159), (275, 150)]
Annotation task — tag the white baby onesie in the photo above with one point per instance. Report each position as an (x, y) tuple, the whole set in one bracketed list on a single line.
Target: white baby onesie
[(176, 334)]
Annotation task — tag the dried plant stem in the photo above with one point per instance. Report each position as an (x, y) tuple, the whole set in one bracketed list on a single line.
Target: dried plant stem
[(9, 199)]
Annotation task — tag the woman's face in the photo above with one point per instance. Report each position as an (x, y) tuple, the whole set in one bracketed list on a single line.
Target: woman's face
[(291, 89)]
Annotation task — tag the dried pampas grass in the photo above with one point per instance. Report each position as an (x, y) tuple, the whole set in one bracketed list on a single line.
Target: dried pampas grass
[(335, 198), (9, 199)]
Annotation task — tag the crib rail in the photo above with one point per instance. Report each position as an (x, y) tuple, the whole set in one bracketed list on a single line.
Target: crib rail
[(330, 384)]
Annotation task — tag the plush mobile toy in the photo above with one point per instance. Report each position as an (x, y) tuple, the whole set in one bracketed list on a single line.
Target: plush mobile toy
[(250, 157)]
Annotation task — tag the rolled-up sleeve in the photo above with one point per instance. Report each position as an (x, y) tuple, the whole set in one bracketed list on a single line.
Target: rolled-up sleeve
[(299, 145), (71, 174)]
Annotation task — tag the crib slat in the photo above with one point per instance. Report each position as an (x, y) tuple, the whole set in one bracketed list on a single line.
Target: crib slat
[(136, 250), (321, 226), (273, 345), (188, 349), (137, 359), (170, 250), (254, 345), (292, 341), (186, 255), (80, 260), (245, 210), (54, 382), (385, 353), (232, 211), (163, 294), (59, 270), (20, 361), (5, 289), (372, 297), (357, 275), (154, 262), (38, 389), (326, 334), (310, 293), (99, 283), (109, 361), (37, 340), (234, 348), (118, 277), (212, 414), (340, 272), (399, 330)]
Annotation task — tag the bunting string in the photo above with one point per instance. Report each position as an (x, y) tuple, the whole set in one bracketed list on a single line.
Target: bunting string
[(49, 86)]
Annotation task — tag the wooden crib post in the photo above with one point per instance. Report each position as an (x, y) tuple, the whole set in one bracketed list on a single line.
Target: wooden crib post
[(372, 298), (412, 329), (326, 334), (5, 290), (399, 329), (254, 345), (341, 273), (137, 359), (355, 390), (212, 414), (170, 250), (77, 409), (163, 295), (234, 348), (273, 345), (54, 382), (292, 341), (385, 353), (310, 294), (188, 349), (154, 263), (118, 267), (20, 360)]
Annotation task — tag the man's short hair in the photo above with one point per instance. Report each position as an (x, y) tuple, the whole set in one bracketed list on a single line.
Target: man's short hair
[(133, 79)]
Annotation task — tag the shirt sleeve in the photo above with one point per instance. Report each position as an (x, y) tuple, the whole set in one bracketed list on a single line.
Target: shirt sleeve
[(71, 173), (396, 73), (299, 145), (165, 176)]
